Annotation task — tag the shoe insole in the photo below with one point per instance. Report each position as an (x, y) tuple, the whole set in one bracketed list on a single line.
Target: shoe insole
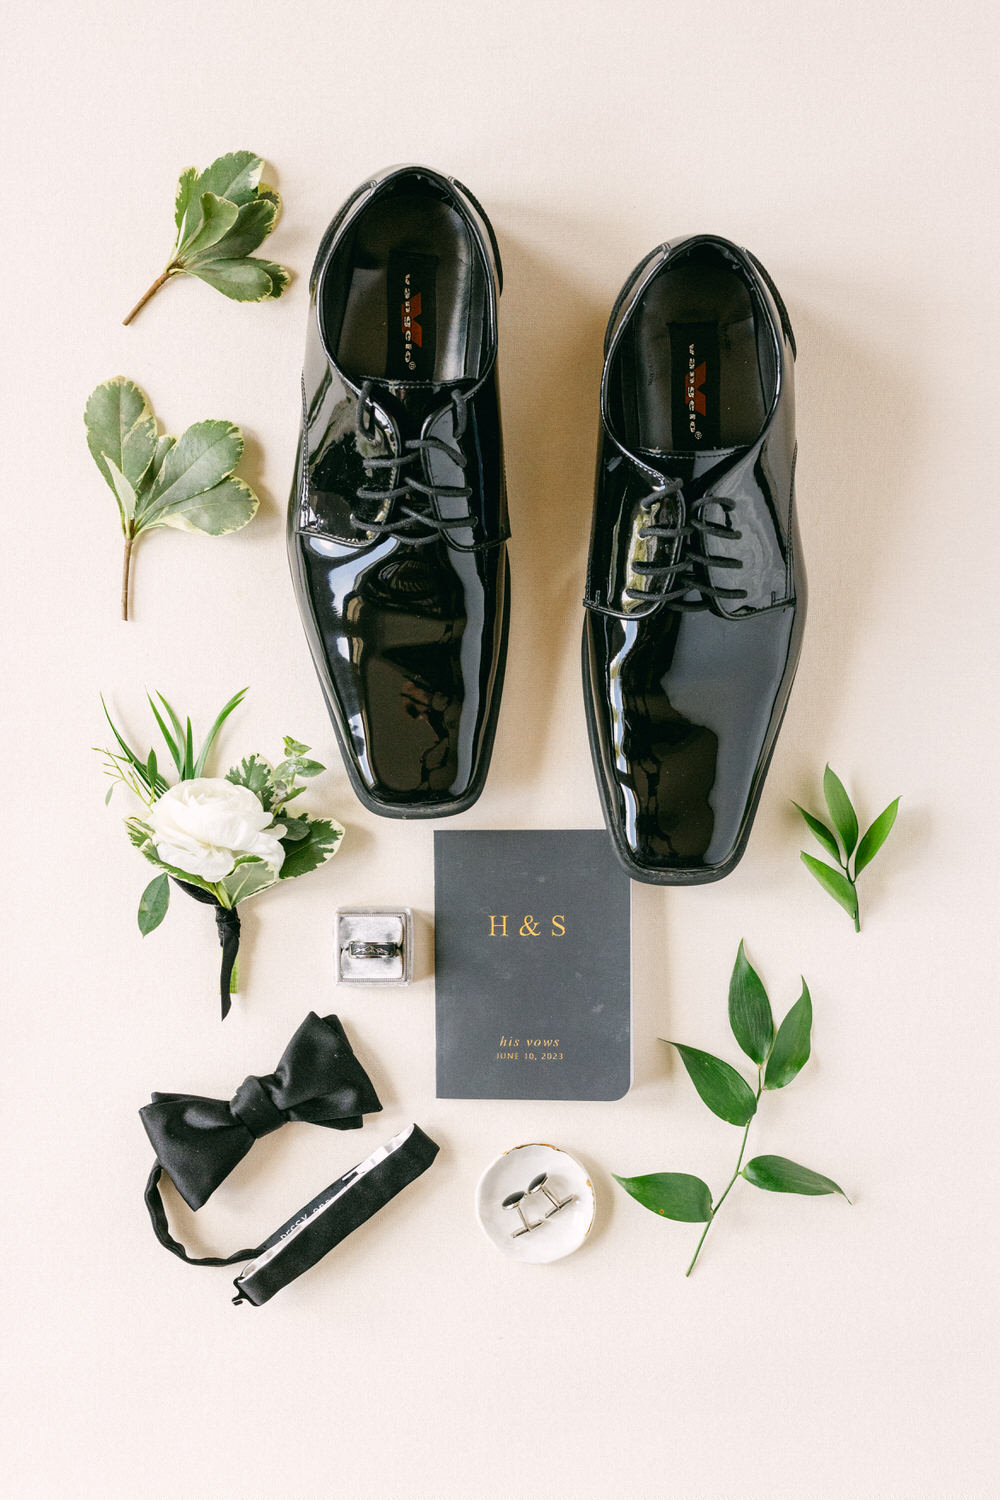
[(693, 368), (415, 301)]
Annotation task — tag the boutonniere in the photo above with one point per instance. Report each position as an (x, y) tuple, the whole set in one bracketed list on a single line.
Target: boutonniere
[(220, 839)]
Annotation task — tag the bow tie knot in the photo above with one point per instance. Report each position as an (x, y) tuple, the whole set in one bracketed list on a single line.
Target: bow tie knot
[(253, 1106), (319, 1080)]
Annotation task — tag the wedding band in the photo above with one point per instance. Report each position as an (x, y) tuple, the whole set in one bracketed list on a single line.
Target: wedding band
[(373, 950)]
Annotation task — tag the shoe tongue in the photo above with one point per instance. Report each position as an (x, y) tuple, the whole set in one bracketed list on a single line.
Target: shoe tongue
[(409, 403), (689, 466)]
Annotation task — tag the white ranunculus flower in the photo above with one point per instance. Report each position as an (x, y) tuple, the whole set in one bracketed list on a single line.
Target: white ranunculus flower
[(202, 827)]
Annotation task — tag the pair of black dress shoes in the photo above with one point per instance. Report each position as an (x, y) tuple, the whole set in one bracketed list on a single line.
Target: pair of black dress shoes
[(398, 525)]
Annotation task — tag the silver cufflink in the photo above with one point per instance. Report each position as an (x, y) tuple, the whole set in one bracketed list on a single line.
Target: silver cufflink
[(514, 1200), (539, 1184)]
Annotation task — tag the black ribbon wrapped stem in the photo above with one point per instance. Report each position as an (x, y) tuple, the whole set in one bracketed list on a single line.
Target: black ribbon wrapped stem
[(227, 922)]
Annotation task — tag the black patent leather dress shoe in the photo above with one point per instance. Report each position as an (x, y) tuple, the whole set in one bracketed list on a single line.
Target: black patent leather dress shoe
[(397, 524), (695, 597)]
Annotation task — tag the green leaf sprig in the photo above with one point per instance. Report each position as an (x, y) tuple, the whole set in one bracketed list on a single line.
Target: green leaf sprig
[(222, 214), (780, 1055), (841, 883), (184, 482)]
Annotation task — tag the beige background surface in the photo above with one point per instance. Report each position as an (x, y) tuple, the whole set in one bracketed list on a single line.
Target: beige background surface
[(819, 1350)]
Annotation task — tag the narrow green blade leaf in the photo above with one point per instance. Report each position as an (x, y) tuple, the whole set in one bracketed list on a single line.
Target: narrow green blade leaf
[(320, 843), (234, 176), (749, 1009), (200, 459), (168, 739), (178, 727), (226, 507), (218, 216), (221, 717), (834, 882), (254, 222), (151, 772), (245, 280), (826, 838), (841, 810), (153, 904), (674, 1195), (138, 766), (776, 1174), (188, 771), (875, 837), (121, 427), (791, 1046), (725, 1091)]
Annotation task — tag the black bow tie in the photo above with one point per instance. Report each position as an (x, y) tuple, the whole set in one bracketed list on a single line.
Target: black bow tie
[(318, 1080)]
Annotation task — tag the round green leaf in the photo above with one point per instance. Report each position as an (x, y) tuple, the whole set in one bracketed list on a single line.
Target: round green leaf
[(725, 1091), (749, 1009), (673, 1195), (153, 904), (776, 1174), (834, 882), (875, 837), (841, 809), (791, 1046)]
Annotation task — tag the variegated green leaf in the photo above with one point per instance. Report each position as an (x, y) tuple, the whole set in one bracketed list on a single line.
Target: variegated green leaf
[(234, 176), (247, 878), (224, 508), (321, 842), (124, 494), (183, 197), (246, 280), (254, 222), (218, 216), (120, 428), (200, 459)]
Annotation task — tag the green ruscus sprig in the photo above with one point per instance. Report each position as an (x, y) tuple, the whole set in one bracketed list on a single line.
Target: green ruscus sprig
[(780, 1055), (841, 883)]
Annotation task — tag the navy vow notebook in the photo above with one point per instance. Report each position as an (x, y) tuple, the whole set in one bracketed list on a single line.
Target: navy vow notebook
[(533, 966)]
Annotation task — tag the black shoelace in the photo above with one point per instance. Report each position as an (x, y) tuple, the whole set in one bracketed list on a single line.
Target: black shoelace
[(671, 582), (416, 522)]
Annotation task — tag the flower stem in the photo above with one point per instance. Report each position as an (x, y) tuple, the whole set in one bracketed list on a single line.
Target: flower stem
[(729, 1184), (147, 294), (234, 978), (126, 571)]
